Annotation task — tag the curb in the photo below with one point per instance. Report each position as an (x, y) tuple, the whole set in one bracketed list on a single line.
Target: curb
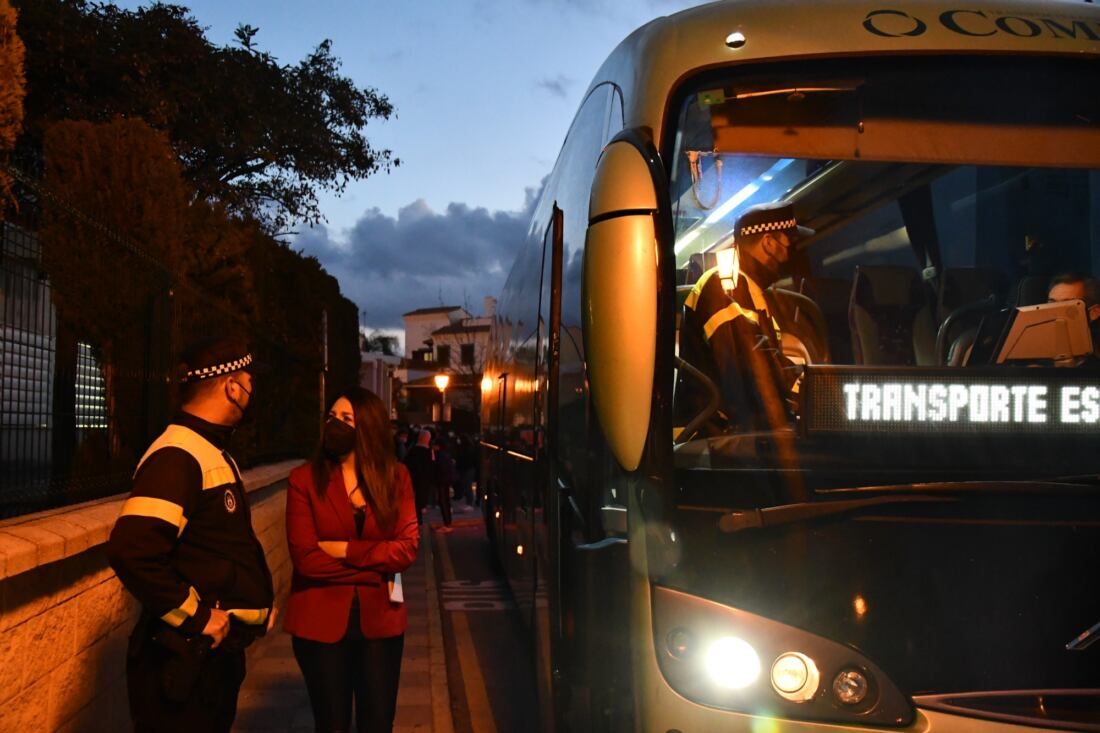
[(442, 721)]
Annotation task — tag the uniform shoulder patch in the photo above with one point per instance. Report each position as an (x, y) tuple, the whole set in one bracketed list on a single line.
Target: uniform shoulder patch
[(230, 501)]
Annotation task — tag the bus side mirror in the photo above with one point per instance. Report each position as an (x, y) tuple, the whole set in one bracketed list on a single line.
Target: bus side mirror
[(619, 300)]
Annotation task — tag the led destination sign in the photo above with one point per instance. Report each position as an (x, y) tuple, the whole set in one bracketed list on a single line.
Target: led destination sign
[(871, 400), (977, 403)]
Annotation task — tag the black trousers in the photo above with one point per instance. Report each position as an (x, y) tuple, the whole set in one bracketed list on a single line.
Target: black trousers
[(212, 705), (443, 495), (366, 670)]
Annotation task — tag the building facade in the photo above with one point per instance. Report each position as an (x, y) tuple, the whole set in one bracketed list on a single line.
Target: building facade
[(445, 340)]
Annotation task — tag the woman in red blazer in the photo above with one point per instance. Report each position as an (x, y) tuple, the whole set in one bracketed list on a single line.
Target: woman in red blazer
[(351, 526)]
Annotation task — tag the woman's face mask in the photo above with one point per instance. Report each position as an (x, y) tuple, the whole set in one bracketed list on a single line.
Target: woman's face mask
[(339, 438)]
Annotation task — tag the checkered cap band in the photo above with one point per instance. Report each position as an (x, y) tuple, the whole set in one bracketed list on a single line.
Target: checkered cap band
[(196, 375), (770, 226)]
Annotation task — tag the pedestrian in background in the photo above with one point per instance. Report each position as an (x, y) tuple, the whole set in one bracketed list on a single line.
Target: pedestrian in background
[(183, 544), (421, 464), (352, 530), (444, 481), (465, 465), (401, 444)]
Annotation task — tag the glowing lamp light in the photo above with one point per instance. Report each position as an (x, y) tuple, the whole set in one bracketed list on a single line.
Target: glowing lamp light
[(519, 549), (486, 384), (496, 514), (735, 39), (441, 381), (728, 267), (795, 677), (732, 663)]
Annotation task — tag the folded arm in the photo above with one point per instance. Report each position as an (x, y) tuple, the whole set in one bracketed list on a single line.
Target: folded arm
[(392, 555), (309, 560)]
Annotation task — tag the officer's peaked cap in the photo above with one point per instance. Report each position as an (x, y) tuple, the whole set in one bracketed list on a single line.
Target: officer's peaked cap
[(214, 357), (770, 217)]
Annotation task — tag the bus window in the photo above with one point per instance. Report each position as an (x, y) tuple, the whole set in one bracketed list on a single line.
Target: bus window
[(914, 263), (572, 183)]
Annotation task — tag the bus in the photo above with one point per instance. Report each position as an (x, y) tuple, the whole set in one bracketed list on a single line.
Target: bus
[(909, 539)]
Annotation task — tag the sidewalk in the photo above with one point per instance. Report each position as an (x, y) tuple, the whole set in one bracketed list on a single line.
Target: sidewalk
[(274, 699)]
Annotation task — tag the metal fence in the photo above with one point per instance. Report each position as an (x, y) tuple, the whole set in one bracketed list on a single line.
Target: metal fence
[(84, 390), (27, 362)]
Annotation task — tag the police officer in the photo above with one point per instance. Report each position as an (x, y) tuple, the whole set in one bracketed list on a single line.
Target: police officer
[(184, 546), (727, 331)]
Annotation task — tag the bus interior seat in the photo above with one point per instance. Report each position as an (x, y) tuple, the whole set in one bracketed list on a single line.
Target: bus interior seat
[(800, 316), (832, 295), (963, 287), (699, 263), (960, 286), (1029, 290), (959, 351), (891, 318)]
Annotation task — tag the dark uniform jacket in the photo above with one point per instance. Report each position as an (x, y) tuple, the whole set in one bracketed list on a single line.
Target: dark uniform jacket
[(184, 542), (733, 339)]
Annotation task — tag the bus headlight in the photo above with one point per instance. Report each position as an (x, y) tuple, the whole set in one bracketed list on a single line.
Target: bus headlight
[(714, 654), (851, 687), (732, 663), (795, 677)]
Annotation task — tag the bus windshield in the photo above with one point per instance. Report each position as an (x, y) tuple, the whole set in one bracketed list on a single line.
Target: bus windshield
[(925, 307), (883, 302)]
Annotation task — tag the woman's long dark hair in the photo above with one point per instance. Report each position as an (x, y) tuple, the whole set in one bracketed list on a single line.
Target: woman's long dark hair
[(375, 462)]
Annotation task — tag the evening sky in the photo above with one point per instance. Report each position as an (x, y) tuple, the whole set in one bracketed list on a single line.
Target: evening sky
[(484, 92)]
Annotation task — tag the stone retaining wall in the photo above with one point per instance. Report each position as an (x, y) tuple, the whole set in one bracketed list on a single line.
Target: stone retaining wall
[(65, 618)]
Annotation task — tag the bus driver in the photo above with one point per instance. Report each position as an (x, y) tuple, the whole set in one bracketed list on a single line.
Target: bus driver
[(727, 331)]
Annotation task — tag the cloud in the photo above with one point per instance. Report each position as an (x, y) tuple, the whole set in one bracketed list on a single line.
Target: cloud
[(391, 265), (558, 86)]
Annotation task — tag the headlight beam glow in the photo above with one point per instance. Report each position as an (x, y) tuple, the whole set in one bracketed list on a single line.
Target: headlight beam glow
[(732, 663)]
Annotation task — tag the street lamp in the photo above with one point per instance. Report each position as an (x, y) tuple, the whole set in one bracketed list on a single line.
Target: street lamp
[(441, 382)]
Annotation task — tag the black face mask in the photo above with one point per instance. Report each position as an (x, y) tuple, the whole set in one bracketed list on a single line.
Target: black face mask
[(243, 410), (339, 438)]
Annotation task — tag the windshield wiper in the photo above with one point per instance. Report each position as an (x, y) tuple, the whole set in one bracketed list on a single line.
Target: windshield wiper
[(1086, 479), (915, 493), (807, 510), (1013, 486)]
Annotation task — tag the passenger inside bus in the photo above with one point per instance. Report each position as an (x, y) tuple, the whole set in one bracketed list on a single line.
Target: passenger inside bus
[(730, 337), (1078, 286)]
